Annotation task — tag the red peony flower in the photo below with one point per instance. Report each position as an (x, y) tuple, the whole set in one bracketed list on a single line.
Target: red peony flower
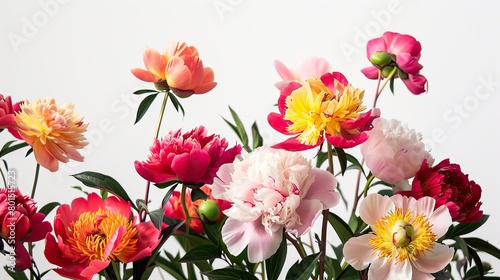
[(449, 186), (173, 208), (90, 233), (20, 222), (192, 158), (7, 115)]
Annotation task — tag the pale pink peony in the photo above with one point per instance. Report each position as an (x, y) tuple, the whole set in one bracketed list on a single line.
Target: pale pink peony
[(393, 152), (403, 239), (312, 67), (271, 190)]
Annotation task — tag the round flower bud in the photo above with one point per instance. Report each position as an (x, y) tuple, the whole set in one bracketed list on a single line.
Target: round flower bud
[(380, 59), (402, 233), (387, 71), (209, 211)]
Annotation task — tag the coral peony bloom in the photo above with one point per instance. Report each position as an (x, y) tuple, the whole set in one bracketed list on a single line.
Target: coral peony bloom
[(192, 158), (20, 222), (449, 186), (271, 190), (55, 132), (179, 68), (173, 208), (7, 115), (92, 232), (402, 51), (327, 108), (402, 244), (393, 152), (313, 67)]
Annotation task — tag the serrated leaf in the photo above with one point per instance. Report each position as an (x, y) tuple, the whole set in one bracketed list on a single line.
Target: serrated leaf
[(257, 139), (144, 106), (103, 182), (341, 228), (143, 91), (201, 253), (274, 264), (482, 245), (229, 274), (47, 208), (302, 270), (176, 103)]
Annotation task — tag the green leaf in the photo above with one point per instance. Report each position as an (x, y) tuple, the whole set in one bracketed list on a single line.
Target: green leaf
[(275, 263), (7, 148), (332, 267), (80, 189), (143, 91), (198, 194), (171, 267), (213, 231), (167, 184), (156, 217), (342, 159), (484, 246), (15, 274), (302, 270), (47, 208), (201, 253), (238, 128), (176, 103), (462, 229), (462, 245), (391, 84), (29, 152), (257, 140), (341, 228), (321, 157), (103, 182), (477, 261), (167, 195), (229, 274), (144, 106)]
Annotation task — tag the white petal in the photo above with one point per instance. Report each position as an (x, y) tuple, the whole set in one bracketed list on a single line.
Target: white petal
[(375, 206), (358, 253), (436, 260), (235, 235), (440, 221), (380, 270)]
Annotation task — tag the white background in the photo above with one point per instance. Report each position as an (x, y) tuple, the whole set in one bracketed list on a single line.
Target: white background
[(82, 52)]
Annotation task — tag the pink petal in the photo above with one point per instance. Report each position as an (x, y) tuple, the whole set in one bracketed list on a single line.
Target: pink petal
[(358, 253), (323, 188), (152, 175), (329, 79), (375, 45), (408, 63), (7, 121), (96, 267), (374, 207), (236, 235), (223, 178), (417, 84), (309, 210), (191, 167), (292, 144), (380, 270), (313, 67), (425, 206), (278, 123), (417, 274), (283, 71), (118, 206), (401, 43), (370, 72), (434, 260), (440, 220), (262, 245), (23, 258), (344, 142)]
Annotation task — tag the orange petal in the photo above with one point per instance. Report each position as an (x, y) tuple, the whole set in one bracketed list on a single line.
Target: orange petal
[(43, 157), (144, 75), (178, 74), (154, 62)]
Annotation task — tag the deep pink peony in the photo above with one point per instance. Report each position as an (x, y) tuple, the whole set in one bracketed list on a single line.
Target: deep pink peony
[(20, 222), (447, 184), (92, 232), (398, 50), (7, 115), (312, 67), (192, 158), (272, 190), (326, 108)]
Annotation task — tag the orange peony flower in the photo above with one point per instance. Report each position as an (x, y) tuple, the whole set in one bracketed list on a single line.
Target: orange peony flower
[(55, 132), (179, 69)]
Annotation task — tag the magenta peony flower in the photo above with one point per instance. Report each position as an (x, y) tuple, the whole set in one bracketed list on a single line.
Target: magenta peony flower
[(192, 158), (449, 186), (402, 243), (20, 222), (92, 232), (393, 152), (313, 67), (7, 115), (396, 50), (271, 190)]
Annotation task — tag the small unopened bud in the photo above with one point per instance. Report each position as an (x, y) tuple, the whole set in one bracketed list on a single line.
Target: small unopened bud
[(380, 58), (402, 233), (386, 72), (209, 211)]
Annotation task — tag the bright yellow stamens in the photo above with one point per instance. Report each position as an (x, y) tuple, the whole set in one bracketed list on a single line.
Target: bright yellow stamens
[(314, 109), (92, 232), (399, 237)]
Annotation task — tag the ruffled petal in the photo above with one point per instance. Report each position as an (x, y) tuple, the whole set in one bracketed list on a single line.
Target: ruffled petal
[(323, 188)]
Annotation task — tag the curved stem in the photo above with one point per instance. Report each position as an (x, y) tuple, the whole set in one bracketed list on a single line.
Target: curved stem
[(35, 181), (377, 91), (387, 79), (356, 190), (296, 244)]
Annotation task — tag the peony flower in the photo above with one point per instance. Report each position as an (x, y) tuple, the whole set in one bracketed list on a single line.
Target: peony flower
[(393, 152), (92, 232), (179, 68), (449, 186), (55, 132), (400, 51), (402, 244), (20, 222), (173, 208), (271, 190), (313, 67), (322, 108), (7, 115), (192, 158)]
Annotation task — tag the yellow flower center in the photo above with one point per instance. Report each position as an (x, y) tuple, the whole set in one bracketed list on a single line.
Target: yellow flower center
[(314, 109), (90, 234), (399, 237)]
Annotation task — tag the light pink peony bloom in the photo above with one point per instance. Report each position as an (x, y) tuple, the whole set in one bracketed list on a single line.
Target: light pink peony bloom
[(271, 190), (402, 244), (393, 152), (404, 53), (312, 67), (193, 157)]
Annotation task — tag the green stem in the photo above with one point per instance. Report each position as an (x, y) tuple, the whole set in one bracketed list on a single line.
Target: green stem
[(388, 79), (3, 178), (187, 224), (297, 246), (35, 181)]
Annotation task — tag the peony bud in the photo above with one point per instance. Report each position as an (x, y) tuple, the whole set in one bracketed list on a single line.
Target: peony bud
[(209, 211), (380, 59), (402, 233)]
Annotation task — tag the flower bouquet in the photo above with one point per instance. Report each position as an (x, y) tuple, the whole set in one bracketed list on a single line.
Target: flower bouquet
[(251, 210)]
